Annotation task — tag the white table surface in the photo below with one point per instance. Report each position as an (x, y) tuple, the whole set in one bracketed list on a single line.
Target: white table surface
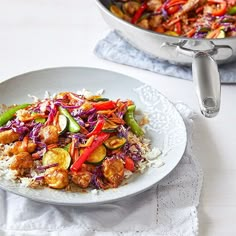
[(37, 34)]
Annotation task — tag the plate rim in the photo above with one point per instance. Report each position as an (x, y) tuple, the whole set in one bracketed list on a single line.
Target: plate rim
[(38, 199)]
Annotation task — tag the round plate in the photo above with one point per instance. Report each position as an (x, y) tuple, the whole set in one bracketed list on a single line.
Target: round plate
[(166, 129)]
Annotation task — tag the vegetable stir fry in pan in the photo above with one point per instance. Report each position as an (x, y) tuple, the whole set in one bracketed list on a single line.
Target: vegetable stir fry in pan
[(72, 139), (186, 18)]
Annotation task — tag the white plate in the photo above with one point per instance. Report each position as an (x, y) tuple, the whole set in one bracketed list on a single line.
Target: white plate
[(166, 129)]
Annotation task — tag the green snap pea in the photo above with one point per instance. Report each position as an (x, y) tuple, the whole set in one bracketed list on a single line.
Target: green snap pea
[(9, 114), (131, 122), (73, 126)]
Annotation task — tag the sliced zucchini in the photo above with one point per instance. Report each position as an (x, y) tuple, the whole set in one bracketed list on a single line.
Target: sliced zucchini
[(63, 123), (221, 34), (109, 126), (115, 142), (97, 156), (57, 155)]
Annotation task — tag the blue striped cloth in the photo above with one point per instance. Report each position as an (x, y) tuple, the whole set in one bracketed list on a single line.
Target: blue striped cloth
[(114, 48)]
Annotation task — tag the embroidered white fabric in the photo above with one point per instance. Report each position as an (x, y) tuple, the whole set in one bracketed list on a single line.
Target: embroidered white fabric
[(167, 209)]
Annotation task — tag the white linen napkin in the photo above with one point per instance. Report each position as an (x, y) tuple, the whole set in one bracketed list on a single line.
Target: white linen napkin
[(115, 48), (167, 209)]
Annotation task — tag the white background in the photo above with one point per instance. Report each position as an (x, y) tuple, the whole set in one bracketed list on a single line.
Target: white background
[(35, 34)]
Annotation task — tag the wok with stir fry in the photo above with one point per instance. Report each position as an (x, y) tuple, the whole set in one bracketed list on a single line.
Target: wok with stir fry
[(72, 140), (200, 33), (185, 18)]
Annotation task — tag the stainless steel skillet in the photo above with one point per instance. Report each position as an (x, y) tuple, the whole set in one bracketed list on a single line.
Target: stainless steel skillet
[(202, 54)]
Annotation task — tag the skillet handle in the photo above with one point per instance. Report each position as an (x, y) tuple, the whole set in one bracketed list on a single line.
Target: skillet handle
[(206, 79)]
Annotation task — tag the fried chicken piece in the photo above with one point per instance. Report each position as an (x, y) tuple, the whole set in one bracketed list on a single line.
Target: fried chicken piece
[(8, 136), (56, 177)]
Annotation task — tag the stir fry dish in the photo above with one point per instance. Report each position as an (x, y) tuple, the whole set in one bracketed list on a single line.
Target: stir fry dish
[(185, 18), (72, 140)]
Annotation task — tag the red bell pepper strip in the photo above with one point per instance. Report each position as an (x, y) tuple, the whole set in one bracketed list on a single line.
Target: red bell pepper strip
[(107, 105), (173, 9), (178, 28), (173, 6), (139, 13), (88, 150), (98, 127), (129, 164), (175, 2), (223, 7)]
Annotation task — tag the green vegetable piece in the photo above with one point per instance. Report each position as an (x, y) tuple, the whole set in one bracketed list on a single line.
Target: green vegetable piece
[(100, 99), (40, 120), (131, 122), (67, 147), (89, 150), (73, 126), (232, 10), (109, 126), (57, 155), (204, 30), (97, 156), (9, 114), (63, 123), (115, 142)]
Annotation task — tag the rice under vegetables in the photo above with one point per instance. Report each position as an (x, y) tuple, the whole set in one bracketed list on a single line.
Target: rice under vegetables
[(39, 150)]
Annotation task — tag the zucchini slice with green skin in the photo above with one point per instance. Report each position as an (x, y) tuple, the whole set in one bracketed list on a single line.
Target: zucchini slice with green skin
[(109, 126), (115, 142), (57, 155), (97, 156), (63, 123), (221, 35)]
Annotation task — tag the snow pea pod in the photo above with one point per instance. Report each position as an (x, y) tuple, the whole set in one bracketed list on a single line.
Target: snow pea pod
[(9, 114), (73, 126), (131, 122)]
